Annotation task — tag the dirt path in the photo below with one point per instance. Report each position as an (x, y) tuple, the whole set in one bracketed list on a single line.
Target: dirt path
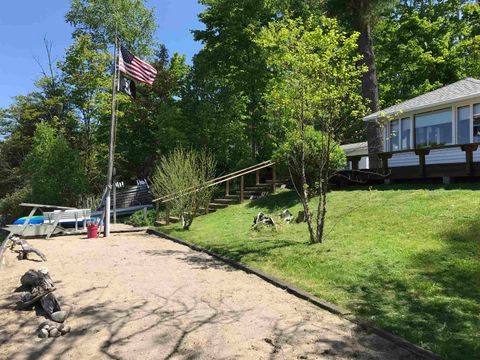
[(139, 297)]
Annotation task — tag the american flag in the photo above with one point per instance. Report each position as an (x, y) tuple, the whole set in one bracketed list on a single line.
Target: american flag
[(136, 68)]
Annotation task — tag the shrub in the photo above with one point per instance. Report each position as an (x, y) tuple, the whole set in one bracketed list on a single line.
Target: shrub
[(138, 219), (182, 174), (9, 205), (54, 169), (289, 153)]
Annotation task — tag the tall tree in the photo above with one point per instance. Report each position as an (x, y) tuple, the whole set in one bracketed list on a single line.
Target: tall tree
[(316, 68), (229, 76), (424, 45), (361, 16), (100, 19), (85, 76)]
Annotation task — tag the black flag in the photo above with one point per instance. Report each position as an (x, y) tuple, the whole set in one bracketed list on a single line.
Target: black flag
[(127, 86)]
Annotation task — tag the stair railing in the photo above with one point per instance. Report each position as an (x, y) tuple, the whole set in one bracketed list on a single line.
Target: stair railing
[(217, 181)]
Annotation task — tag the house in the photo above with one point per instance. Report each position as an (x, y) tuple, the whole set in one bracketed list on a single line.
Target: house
[(357, 156), (434, 135)]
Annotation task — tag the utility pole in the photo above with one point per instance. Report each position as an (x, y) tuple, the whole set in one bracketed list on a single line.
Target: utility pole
[(112, 140)]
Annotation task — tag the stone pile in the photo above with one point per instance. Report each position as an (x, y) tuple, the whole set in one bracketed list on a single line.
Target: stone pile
[(40, 289)]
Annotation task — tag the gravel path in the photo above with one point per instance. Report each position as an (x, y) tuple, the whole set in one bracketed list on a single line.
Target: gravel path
[(136, 296)]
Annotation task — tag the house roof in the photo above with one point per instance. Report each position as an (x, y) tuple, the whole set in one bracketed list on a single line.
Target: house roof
[(357, 149), (460, 90)]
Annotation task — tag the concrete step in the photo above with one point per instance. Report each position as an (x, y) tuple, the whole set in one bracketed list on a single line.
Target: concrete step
[(216, 205), (162, 222), (201, 211), (226, 201), (232, 196), (259, 187)]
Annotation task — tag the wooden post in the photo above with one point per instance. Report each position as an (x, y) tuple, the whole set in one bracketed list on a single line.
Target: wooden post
[(384, 157), (157, 211), (469, 149), (145, 214), (167, 214), (242, 183), (422, 163), (355, 161), (257, 174), (274, 178), (227, 188)]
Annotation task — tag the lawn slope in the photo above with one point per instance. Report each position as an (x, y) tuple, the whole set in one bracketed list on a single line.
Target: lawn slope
[(405, 257)]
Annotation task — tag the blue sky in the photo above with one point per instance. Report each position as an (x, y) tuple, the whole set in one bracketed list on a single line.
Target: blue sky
[(24, 24)]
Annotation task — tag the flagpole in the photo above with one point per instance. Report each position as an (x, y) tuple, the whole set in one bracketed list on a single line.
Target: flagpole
[(112, 139)]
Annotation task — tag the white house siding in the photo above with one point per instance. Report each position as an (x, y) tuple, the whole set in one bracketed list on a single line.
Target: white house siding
[(436, 156), (445, 156), (403, 159)]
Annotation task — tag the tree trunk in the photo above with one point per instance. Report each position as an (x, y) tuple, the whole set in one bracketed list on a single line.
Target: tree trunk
[(370, 89)]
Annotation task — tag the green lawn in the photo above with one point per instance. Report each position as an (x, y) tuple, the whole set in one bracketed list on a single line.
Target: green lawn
[(403, 256)]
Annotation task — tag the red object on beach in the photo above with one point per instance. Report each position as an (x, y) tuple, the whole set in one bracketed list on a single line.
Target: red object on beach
[(92, 231)]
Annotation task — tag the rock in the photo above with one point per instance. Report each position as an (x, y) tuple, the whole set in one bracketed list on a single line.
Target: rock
[(26, 296), (43, 333), (50, 304), (59, 316), (286, 216), (66, 329), (300, 217), (54, 332)]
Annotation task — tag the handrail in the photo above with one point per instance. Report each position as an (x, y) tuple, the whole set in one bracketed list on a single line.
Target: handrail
[(435, 147), (218, 180)]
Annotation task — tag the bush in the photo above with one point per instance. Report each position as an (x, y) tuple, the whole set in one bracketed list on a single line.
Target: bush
[(182, 175), (9, 205), (54, 169), (289, 152), (137, 218)]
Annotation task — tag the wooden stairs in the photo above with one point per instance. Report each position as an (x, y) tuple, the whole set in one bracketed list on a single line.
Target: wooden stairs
[(229, 197)]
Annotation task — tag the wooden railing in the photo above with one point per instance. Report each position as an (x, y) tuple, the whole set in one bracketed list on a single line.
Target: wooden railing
[(422, 152), (224, 179)]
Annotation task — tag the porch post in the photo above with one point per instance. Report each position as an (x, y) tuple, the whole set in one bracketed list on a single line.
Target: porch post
[(167, 214), (157, 211), (469, 149), (274, 178), (422, 153), (242, 183)]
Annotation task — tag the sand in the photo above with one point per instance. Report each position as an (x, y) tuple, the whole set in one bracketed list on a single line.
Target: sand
[(136, 296)]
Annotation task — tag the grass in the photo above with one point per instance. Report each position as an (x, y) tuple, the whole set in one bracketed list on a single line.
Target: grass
[(405, 257)]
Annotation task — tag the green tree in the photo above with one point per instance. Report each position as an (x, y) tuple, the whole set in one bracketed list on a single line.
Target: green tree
[(86, 79), (100, 18), (153, 124), (224, 100), (53, 169), (288, 155), (316, 73), (361, 16), (424, 45), (180, 177)]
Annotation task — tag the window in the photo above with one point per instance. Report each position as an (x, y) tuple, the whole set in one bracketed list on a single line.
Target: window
[(476, 123), (434, 128), (406, 131), (463, 125), (395, 135)]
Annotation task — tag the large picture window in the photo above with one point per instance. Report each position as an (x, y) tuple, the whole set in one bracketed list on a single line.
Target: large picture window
[(433, 128), (476, 123), (406, 131), (394, 135), (463, 125)]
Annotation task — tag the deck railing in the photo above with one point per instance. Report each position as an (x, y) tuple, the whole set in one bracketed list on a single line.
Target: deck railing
[(224, 179), (422, 152)]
